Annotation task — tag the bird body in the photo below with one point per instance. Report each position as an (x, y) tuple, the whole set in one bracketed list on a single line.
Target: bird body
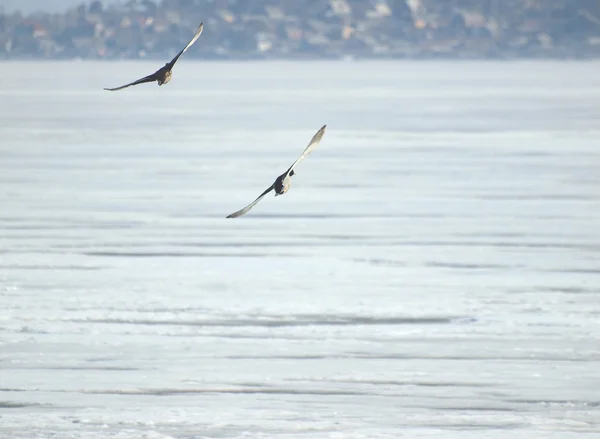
[(283, 183), (165, 73)]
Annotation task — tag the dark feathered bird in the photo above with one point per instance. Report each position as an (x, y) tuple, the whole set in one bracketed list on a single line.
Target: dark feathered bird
[(284, 181), (164, 74)]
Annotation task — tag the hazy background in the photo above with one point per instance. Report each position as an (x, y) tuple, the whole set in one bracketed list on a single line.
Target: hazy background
[(28, 6), (319, 29)]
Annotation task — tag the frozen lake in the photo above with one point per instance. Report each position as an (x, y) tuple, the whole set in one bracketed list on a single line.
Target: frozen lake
[(434, 270)]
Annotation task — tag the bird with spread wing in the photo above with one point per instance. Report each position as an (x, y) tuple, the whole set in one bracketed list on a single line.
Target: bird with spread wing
[(284, 181), (162, 75)]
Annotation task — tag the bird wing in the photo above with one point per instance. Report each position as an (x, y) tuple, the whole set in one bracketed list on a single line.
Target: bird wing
[(251, 205), (149, 78), (192, 41), (312, 145)]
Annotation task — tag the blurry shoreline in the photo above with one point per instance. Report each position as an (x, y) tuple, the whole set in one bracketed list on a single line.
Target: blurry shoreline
[(319, 29)]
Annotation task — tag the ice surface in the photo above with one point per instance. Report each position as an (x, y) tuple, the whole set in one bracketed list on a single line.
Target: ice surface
[(434, 270)]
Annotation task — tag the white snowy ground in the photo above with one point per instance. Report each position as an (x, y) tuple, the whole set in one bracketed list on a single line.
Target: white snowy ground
[(433, 272)]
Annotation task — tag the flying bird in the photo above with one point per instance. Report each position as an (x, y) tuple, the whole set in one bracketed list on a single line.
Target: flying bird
[(284, 181), (163, 75)]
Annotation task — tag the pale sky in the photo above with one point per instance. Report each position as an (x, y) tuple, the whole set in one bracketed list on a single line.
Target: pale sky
[(42, 5)]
